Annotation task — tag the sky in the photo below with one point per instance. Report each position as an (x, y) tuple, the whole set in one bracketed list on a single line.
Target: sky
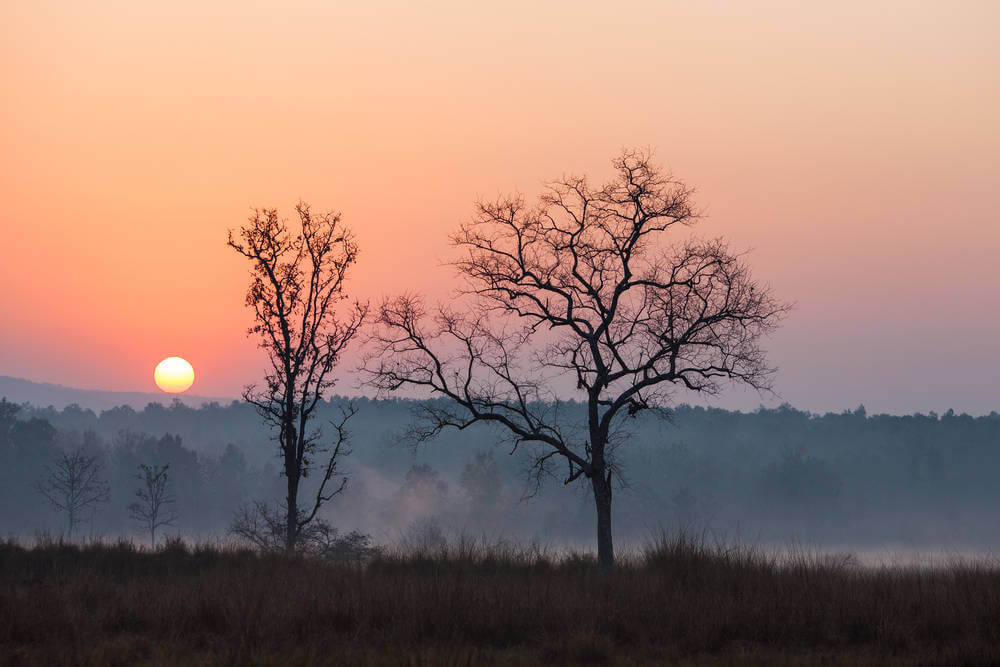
[(854, 149)]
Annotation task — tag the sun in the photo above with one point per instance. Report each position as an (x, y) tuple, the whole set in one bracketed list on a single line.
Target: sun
[(174, 375)]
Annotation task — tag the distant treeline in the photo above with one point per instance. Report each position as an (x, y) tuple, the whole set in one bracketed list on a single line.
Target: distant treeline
[(774, 475)]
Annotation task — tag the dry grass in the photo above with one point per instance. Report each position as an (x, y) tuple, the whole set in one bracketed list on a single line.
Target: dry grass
[(680, 601)]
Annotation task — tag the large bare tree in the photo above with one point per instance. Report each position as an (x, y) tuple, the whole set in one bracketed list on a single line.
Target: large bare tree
[(296, 290), (73, 484), (583, 289)]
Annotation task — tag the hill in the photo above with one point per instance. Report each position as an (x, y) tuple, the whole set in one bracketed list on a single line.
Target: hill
[(44, 394)]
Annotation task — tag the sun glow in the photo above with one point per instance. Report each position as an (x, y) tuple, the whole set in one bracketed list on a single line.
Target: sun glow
[(174, 375)]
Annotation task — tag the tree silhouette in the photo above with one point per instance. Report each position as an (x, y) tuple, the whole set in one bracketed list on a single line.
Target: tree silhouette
[(8, 418), (297, 283), (73, 484), (579, 287), (152, 509)]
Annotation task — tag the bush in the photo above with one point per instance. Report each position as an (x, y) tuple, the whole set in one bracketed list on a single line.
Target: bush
[(263, 526)]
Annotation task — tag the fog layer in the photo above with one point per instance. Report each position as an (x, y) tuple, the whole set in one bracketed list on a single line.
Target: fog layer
[(922, 481)]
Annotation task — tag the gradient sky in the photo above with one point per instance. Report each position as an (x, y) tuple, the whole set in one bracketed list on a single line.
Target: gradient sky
[(855, 149)]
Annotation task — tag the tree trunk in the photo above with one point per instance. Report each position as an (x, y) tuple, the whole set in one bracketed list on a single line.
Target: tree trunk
[(290, 449), (602, 498), (292, 516)]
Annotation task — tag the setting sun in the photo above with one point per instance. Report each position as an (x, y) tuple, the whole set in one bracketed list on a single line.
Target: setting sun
[(174, 375)]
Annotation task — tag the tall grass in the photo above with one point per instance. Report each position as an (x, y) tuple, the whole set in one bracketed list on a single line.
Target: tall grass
[(470, 602)]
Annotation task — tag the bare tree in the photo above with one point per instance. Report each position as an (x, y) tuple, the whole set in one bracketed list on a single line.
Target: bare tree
[(153, 510), (582, 291), (73, 484), (297, 284)]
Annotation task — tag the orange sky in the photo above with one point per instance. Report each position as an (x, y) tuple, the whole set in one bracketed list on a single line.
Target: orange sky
[(856, 149)]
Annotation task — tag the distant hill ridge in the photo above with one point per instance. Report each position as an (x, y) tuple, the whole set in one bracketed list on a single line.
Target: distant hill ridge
[(44, 394)]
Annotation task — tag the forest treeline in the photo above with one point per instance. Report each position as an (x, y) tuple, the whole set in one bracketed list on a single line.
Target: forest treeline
[(774, 475)]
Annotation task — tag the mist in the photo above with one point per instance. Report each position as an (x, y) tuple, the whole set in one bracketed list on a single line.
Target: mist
[(848, 480)]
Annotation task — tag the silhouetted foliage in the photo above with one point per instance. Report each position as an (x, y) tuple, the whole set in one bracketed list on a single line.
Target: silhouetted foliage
[(297, 284), (583, 285), (8, 418)]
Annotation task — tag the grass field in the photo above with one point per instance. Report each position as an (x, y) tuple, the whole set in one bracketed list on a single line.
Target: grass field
[(679, 601)]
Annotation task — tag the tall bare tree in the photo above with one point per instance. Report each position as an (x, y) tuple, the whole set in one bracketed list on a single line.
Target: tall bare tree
[(581, 289), (153, 508), (296, 287), (73, 484)]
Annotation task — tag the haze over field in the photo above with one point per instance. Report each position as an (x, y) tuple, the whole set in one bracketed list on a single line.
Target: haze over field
[(775, 477), (852, 147)]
